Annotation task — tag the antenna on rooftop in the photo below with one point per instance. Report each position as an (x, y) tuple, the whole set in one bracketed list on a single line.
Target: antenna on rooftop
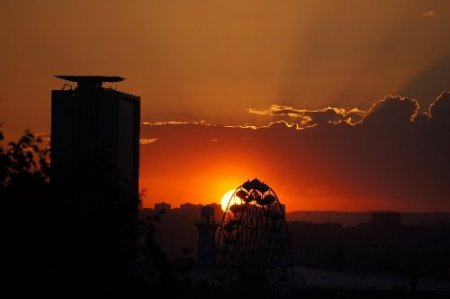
[(89, 82)]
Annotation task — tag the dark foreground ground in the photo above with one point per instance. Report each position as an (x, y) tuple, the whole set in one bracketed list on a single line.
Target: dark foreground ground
[(332, 294), (327, 284), (367, 294)]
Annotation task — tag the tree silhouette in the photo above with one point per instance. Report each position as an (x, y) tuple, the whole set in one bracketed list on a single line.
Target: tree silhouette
[(24, 163), (78, 239), (24, 193)]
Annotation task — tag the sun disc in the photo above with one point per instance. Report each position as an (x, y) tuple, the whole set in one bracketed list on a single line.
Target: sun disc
[(226, 198)]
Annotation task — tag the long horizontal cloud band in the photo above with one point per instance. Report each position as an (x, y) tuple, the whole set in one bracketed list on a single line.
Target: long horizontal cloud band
[(392, 158)]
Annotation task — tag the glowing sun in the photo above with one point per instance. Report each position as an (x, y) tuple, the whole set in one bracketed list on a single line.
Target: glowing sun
[(226, 198)]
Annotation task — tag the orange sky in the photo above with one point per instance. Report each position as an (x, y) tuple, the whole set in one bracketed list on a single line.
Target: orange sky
[(216, 60), (392, 157)]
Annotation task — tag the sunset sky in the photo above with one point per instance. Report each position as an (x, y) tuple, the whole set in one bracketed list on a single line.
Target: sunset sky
[(322, 100)]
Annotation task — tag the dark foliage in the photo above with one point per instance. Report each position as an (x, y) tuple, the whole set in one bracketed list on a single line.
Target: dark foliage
[(24, 193), (80, 238)]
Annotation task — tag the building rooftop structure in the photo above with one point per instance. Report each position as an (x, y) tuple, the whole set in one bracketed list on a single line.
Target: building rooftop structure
[(90, 81)]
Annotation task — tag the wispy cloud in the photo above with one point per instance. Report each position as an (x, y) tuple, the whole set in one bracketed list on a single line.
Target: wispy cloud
[(174, 123), (308, 118), (206, 124), (281, 115), (275, 109), (428, 14), (246, 126), (147, 140)]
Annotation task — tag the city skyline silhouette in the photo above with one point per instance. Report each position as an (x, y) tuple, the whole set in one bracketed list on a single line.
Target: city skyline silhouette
[(159, 184)]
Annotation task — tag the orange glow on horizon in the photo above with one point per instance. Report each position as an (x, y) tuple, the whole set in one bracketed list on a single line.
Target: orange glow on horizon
[(206, 72)]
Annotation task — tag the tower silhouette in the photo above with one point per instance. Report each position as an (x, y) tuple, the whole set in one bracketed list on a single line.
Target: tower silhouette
[(207, 227), (95, 168), (91, 124)]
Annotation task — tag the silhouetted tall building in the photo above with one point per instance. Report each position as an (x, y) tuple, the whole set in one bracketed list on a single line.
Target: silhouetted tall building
[(93, 126), (206, 237)]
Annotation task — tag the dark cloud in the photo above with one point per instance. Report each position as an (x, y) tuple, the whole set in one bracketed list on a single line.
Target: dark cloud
[(394, 158), (392, 110), (440, 108)]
